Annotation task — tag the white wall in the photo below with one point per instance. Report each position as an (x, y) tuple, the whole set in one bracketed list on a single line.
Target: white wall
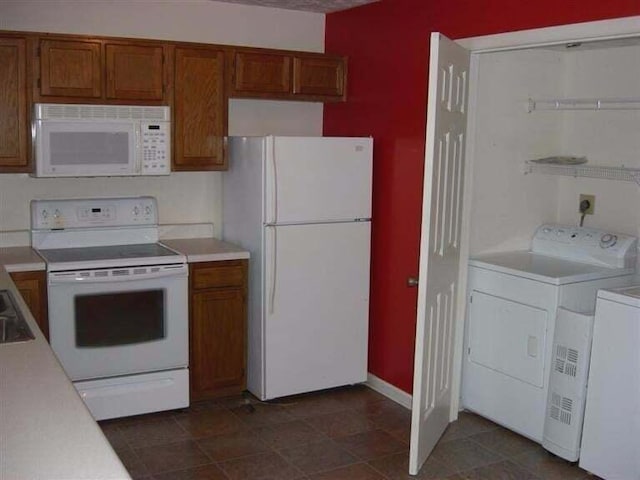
[(183, 197), (506, 205), (605, 137), (188, 20)]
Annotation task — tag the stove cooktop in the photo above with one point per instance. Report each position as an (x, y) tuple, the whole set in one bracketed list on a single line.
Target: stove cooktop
[(110, 256)]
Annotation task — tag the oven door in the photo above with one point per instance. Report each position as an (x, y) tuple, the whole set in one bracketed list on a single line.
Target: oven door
[(110, 322)]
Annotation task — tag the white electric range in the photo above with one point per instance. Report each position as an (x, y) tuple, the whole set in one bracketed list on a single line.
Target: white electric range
[(118, 303)]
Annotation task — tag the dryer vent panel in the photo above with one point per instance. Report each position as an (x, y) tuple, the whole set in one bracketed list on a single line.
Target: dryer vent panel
[(568, 384)]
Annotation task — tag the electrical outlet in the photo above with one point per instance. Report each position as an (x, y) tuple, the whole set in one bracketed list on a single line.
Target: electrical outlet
[(592, 203)]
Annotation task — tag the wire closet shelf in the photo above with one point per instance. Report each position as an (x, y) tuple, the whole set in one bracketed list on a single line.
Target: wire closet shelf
[(622, 173), (583, 104), (588, 171)]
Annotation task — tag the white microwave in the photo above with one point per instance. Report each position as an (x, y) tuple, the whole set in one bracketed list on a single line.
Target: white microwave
[(101, 140)]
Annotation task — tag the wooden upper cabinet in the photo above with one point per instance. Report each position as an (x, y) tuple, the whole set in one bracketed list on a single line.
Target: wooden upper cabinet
[(315, 75), (200, 113), (70, 68), (262, 73), (134, 72), (100, 71), (13, 105), (288, 76)]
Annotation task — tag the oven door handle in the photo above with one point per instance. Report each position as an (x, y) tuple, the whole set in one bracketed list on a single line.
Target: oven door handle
[(56, 278)]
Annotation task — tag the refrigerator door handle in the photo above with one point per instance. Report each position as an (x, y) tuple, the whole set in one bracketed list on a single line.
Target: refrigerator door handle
[(274, 263), (274, 181)]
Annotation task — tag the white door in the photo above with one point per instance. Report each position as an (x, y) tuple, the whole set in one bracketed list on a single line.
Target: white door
[(439, 245)]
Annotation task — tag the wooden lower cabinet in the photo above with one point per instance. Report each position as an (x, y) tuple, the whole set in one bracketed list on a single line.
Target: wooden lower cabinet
[(217, 328), (33, 288)]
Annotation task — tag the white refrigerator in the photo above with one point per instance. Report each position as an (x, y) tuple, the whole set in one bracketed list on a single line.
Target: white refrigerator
[(302, 207)]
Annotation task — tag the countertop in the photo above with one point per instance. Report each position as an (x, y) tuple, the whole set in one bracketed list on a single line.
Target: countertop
[(21, 259), (25, 259), (45, 429), (206, 249)]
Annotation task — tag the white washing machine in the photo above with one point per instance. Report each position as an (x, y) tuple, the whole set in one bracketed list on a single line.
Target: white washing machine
[(512, 302), (611, 436)]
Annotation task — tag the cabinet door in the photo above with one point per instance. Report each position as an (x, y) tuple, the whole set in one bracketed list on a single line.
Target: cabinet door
[(200, 116), (319, 76), (134, 72), (70, 68), (33, 288), (217, 352), (13, 105), (262, 73)]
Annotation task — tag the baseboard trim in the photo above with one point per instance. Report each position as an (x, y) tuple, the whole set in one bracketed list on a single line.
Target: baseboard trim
[(390, 391)]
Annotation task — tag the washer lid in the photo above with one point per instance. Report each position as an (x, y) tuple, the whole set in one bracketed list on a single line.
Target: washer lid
[(543, 268), (626, 295)]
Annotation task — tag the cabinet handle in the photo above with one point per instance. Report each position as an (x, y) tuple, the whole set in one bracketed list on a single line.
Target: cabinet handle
[(412, 282)]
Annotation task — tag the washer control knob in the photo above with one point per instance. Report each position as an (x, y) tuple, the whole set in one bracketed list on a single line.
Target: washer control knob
[(608, 240)]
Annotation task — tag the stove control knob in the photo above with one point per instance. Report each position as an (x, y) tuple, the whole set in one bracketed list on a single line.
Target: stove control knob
[(608, 240), (57, 214), (147, 209), (136, 210), (45, 214)]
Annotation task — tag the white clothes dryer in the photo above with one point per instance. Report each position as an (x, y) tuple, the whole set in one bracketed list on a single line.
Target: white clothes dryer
[(512, 302)]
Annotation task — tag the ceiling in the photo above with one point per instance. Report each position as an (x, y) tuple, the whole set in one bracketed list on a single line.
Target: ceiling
[(319, 6)]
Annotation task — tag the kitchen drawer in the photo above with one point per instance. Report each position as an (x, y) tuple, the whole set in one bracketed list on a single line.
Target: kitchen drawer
[(217, 274)]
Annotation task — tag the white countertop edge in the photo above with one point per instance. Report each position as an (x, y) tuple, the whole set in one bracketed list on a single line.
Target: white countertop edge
[(25, 267), (217, 257)]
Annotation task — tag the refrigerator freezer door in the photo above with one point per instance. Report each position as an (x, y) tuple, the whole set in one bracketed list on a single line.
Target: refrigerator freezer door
[(310, 179), (316, 310)]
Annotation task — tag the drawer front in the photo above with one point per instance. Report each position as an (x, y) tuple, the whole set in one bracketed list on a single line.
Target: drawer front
[(223, 274)]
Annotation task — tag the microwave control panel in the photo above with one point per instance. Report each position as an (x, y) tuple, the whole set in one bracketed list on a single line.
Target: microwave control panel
[(156, 148)]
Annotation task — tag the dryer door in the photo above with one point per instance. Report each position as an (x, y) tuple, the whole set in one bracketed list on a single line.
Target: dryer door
[(508, 337)]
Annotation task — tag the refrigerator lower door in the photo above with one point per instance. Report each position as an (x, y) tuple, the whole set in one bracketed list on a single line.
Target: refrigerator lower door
[(316, 306)]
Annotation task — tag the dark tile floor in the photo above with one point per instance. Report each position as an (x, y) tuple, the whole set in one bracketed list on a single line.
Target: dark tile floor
[(350, 433)]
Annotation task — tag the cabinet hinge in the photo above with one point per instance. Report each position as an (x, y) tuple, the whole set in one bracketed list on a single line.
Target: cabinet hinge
[(39, 83)]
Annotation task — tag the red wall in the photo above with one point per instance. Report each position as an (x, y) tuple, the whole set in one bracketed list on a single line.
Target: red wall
[(388, 44)]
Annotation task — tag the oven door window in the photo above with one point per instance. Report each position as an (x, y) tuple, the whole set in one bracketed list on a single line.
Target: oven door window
[(119, 318)]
